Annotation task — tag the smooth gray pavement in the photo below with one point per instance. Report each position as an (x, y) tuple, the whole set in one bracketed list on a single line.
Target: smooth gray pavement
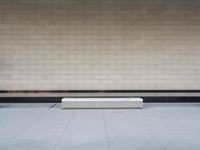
[(48, 127)]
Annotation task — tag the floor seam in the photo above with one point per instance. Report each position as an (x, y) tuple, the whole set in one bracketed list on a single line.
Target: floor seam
[(63, 131), (26, 127), (150, 133), (106, 131), (53, 105), (25, 109)]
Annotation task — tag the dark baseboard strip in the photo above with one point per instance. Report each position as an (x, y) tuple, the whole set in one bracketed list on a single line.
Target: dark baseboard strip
[(100, 91), (30, 99), (58, 99)]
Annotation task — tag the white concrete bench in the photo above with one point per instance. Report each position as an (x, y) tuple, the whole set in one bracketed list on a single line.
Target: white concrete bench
[(102, 102)]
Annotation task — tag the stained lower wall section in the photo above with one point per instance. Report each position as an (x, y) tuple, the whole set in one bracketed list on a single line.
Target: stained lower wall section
[(99, 44)]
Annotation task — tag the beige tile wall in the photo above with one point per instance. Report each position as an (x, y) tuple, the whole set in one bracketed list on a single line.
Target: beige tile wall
[(99, 44)]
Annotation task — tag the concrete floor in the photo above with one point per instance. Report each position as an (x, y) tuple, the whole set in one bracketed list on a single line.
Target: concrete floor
[(47, 127)]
